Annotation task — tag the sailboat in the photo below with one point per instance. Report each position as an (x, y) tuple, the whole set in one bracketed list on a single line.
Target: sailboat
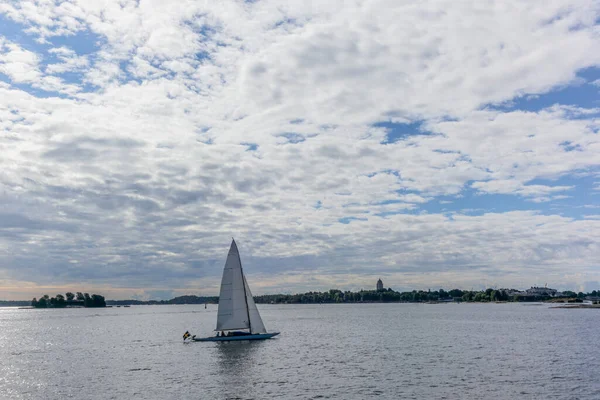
[(237, 317)]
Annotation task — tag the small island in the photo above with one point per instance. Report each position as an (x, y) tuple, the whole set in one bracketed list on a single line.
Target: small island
[(69, 300)]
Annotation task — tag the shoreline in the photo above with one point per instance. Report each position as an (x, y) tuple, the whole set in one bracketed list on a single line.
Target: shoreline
[(579, 306)]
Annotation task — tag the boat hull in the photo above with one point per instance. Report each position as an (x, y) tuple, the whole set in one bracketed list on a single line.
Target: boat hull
[(258, 336)]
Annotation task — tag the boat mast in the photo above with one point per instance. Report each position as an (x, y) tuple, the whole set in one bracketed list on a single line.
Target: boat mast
[(244, 284)]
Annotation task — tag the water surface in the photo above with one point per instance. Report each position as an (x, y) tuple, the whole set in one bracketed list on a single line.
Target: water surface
[(383, 351)]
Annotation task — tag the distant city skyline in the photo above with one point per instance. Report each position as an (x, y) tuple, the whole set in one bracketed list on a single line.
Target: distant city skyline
[(339, 142)]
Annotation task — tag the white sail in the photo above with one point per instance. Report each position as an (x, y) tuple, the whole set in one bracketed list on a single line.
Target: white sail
[(256, 324), (233, 311)]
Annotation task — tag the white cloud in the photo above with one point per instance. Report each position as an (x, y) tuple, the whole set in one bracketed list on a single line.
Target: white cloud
[(23, 66), (17, 63), (70, 61), (537, 193), (358, 64), (212, 120)]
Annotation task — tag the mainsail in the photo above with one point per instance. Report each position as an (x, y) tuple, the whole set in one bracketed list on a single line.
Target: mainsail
[(237, 309)]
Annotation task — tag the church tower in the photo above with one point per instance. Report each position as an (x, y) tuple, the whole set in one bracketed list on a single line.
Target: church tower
[(379, 285)]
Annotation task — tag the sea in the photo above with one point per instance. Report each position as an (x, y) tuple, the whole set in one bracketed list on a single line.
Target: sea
[(324, 351)]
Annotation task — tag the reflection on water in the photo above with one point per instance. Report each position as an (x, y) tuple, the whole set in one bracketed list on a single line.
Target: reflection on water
[(235, 363), (232, 353)]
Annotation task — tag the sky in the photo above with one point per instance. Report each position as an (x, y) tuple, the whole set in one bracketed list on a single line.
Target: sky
[(433, 144)]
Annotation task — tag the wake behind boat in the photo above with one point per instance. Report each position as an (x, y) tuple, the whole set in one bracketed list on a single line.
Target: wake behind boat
[(237, 317)]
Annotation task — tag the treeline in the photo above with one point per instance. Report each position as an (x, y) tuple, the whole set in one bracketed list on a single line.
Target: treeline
[(14, 303), (189, 299), (386, 295), (415, 296), (69, 299)]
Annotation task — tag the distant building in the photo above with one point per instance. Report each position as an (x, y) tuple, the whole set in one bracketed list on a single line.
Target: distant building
[(379, 285), (512, 292), (541, 291)]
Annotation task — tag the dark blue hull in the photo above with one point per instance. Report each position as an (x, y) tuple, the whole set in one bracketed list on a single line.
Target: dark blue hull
[(258, 336)]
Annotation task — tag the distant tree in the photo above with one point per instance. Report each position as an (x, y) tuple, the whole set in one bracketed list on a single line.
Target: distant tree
[(34, 302), (42, 302), (433, 296), (70, 296), (60, 301), (87, 300), (97, 301), (481, 296), (516, 297), (80, 296), (580, 295)]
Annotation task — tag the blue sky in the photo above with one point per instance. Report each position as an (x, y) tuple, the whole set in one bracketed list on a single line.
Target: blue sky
[(338, 145)]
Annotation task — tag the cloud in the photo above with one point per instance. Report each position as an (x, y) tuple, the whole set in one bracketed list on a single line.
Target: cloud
[(17, 63), (22, 66), (70, 61), (358, 67), (136, 139), (537, 193)]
